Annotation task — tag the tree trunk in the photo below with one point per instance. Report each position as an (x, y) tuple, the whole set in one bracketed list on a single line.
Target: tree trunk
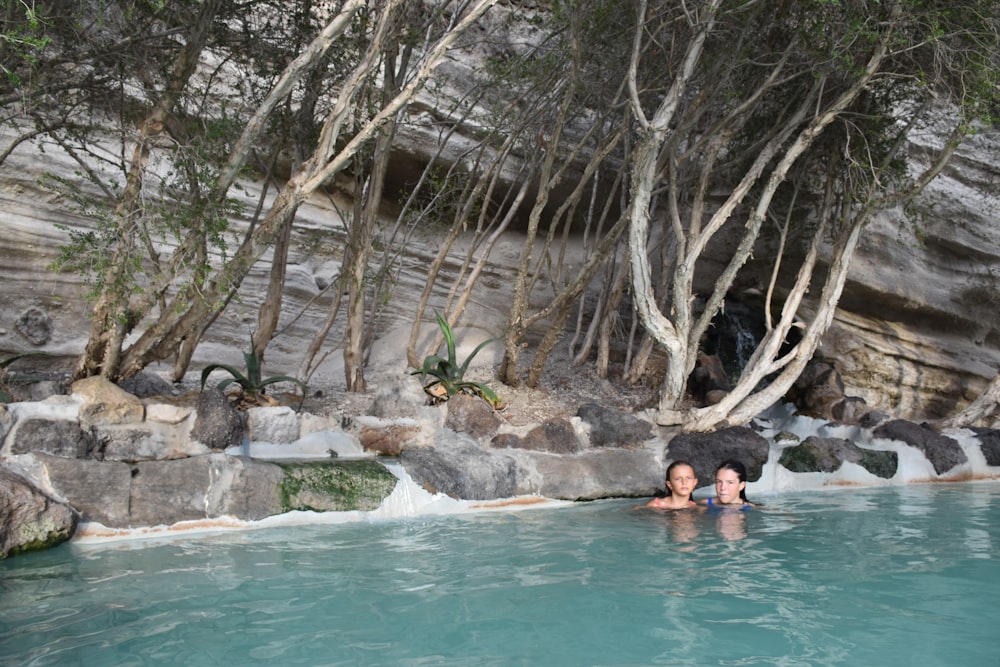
[(112, 319), (980, 411), (191, 307)]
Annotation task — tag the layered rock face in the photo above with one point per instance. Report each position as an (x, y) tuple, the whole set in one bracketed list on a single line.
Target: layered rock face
[(917, 332), (916, 335)]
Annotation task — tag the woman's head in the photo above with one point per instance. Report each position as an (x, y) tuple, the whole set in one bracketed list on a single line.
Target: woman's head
[(731, 482), (680, 478)]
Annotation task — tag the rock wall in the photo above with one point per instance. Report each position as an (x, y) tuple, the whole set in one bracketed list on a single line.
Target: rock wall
[(917, 332), (115, 462)]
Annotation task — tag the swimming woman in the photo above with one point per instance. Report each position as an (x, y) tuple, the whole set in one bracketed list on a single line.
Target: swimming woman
[(680, 482), (730, 486)]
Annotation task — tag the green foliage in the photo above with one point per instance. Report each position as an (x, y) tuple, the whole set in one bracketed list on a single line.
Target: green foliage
[(449, 376), (9, 379), (21, 43), (252, 385)]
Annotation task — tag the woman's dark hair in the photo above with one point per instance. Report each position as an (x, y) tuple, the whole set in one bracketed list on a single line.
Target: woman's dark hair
[(666, 476), (741, 472)]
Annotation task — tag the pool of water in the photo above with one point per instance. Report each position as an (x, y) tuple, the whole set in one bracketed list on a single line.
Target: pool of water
[(890, 576)]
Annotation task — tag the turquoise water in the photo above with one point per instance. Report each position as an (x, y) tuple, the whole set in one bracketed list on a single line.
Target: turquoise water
[(892, 576)]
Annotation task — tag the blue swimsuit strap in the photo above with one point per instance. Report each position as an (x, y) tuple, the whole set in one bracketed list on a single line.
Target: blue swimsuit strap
[(744, 508)]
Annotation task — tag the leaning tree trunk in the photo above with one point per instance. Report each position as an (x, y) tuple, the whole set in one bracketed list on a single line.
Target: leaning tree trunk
[(980, 412), (329, 158), (112, 319)]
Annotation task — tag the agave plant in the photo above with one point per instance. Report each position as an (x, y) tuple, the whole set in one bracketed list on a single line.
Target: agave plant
[(449, 376), (252, 385)]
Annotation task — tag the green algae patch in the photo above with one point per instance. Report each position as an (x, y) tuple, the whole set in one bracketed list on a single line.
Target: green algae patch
[(335, 486), (880, 463)]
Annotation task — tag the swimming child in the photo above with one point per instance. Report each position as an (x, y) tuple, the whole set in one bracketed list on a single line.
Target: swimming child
[(680, 482), (730, 486)]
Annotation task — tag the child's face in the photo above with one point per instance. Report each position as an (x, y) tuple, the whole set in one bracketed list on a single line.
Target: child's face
[(728, 486), (682, 481)]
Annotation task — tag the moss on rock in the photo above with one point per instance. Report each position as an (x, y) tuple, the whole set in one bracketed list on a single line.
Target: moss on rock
[(335, 486)]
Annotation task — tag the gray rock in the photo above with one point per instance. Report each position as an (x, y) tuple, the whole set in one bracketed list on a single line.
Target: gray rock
[(880, 463), (460, 468), (828, 454), (556, 436), (989, 444), (705, 451), (872, 419), (589, 475), (145, 384), (399, 395), (467, 414), (506, 441), (57, 437), (35, 325), (613, 428), (100, 491), (278, 424), (29, 519), (145, 442), (218, 424), (819, 455), (165, 492), (849, 410), (943, 452), (817, 390), (6, 421), (244, 488), (204, 487)]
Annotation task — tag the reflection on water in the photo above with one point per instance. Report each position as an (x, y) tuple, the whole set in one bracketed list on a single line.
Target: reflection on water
[(848, 577)]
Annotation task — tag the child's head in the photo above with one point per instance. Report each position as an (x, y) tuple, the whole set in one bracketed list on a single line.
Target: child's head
[(731, 481), (680, 478)]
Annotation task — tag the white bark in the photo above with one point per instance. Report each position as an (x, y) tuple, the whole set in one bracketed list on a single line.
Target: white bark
[(644, 175)]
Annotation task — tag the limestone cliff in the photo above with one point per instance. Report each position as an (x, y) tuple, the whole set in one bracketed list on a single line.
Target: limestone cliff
[(917, 334)]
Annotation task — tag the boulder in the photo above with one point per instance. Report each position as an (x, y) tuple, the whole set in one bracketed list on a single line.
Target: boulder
[(589, 475), (341, 487), (943, 452), (556, 436), (613, 428), (828, 454), (457, 466), (148, 441), (400, 395), (204, 487), (218, 424), (146, 384), (29, 519), (99, 490), (468, 414), (166, 492), (103, 403), (387, 437), (39, 435), (705, 451), (989, 444), (817, 390), (275, 424)]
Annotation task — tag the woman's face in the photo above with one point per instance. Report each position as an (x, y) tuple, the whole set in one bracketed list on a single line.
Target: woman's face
[(728, 486)]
